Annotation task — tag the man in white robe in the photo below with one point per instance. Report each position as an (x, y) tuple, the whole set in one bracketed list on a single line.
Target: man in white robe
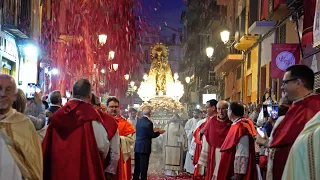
[(304, 159), (190, 127), (174, 144)]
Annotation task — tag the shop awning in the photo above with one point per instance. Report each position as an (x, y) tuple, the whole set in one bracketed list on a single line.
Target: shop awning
[(246, 42), (13, 30), (229, 63)]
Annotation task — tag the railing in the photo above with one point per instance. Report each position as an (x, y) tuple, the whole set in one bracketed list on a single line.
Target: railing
[(294, 4)]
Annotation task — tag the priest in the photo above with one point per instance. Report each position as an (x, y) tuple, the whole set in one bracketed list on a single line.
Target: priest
[(238, 150), (18, 136), (79, 139), (298, 84), (190, 127), (215, 134), (127, 138), (198, 136), (174, 144), (304, 158)]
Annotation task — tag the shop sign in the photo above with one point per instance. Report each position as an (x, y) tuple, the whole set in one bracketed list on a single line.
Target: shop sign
[(316, 25), (283, 56)]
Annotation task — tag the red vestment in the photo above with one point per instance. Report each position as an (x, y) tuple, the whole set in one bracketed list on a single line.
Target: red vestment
[(215, 133), (69, 148), (228, 151), (124, 167), (289, 129), (197, 152)]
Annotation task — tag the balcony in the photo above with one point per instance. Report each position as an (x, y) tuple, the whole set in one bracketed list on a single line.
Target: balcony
[(246, 42), (228, 63), (294, 4), (261, 27)]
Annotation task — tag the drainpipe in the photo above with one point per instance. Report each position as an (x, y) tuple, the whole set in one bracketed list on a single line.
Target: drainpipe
[(243, 76), (259, 70)]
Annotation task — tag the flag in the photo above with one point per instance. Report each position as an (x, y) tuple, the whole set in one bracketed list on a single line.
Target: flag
[(283, 56)]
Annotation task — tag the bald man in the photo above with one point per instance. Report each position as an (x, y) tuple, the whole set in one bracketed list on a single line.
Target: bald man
[(214, 136), (20, 137), (142, 148)]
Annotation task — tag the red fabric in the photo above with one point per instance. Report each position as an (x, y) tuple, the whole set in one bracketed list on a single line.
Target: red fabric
[(69, 148), (265, 10), (263, 162), (125, 129), (289, 129), (308, 20), (228, 151), (216, 132), (109, 124), (283, 56), (276, 3)]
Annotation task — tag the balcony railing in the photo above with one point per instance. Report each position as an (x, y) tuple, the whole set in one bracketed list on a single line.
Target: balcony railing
[(294, 4)]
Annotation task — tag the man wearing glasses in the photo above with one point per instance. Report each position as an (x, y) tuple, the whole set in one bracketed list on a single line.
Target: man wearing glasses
[(297, 84), (127, 138)]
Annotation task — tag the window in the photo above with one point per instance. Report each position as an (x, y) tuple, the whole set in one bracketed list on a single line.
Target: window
[(282, 34), (249, 85), (211, 77), (249, 61), (253, 12), (243, 22)]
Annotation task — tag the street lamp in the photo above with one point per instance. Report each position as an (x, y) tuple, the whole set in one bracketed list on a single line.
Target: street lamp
[(145, 77), (103, 71), (175, 76), (111, 55), (126, 77), (225, 36), (115, 67), (132, 83), (209, 51), (188, 79), (103, 39), (54, 71)]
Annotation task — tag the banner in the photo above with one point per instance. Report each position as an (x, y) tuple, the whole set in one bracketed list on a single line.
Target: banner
[(316, 25), (283, 56)]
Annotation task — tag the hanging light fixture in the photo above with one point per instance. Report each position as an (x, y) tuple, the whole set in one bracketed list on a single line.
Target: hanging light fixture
[(225, 35), (145, 77), (115, 67), (175, 76), (111, 55), (103, 39), (126, 77), (209, 51), (132, 83), (188, 79), (103, 71)]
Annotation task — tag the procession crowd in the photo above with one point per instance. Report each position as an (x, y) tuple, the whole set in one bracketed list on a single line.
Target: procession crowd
[(84, 140)]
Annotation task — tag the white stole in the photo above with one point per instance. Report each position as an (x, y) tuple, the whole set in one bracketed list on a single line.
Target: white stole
[(8, 168)]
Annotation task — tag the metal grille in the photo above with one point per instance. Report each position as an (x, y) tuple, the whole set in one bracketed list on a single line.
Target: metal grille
[(317, 81), (282, 34)]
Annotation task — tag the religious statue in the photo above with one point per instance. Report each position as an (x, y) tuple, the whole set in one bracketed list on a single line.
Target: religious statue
[(160, 68)]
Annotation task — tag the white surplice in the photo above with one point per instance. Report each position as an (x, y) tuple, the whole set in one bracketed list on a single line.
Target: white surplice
[(304, 159), (174, 144), (8, 168), (190, 127)]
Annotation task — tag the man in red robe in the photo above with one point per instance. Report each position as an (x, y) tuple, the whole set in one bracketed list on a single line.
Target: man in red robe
[(217, 130), (127, 138), (297, 83), (79, 139), (198, 136), (238, 152)]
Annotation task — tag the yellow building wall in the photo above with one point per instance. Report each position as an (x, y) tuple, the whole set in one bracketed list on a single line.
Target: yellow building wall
[(253, 71)]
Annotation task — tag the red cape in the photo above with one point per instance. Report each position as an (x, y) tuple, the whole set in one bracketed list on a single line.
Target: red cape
[(198, 141), (69, 148), (289, 129), (124, 168), (228, 151), (215, 133)]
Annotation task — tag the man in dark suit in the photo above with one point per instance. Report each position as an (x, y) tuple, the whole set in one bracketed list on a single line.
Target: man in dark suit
[(142, 148)]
